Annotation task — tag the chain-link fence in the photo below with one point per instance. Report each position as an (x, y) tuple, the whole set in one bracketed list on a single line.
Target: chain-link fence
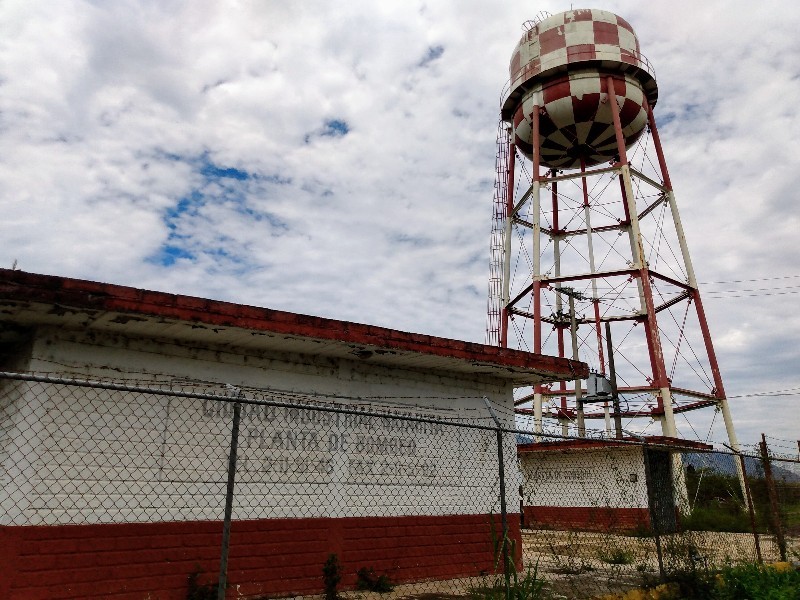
[(604, 515), (115, 490)]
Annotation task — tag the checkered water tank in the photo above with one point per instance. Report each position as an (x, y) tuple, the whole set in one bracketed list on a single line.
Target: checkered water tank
[(562, 64)]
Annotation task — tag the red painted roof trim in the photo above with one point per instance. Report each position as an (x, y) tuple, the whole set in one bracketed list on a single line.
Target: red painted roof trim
[(20, 286)]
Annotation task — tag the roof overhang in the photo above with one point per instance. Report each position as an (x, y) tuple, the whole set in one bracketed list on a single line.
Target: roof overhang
[(655, 442), (29, 300)]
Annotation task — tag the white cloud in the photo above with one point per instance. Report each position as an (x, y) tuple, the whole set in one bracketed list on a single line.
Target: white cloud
[(110, 112)]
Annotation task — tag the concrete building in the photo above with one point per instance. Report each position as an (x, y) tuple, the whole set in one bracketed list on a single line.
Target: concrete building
[(118, 494), (602, 484)]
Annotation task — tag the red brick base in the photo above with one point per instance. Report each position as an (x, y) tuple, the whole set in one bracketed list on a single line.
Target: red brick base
[(587, 518), (279, 556)]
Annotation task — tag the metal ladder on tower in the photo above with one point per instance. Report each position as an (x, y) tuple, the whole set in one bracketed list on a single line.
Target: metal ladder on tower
[(494, 306)]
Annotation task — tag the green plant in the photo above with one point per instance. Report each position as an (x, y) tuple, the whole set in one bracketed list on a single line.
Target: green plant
[(616, 556), (498, 587), (757, 582), (739, 582), (368, 580), (718, 504), (200, 591), (506, 582), (717, 516), (331, 576), (569, 562), (694, 584)]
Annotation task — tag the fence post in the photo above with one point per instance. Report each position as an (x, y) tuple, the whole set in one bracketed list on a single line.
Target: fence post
[(773, 498), (651, 508), (226, 527), (751, 509), (503, 514)]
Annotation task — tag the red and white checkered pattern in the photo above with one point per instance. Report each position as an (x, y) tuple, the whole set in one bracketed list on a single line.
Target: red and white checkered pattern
[(562, 65), (571, 37), (575, 118)]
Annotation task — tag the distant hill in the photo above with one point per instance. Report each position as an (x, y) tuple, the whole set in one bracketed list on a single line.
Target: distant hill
[(722, 462)]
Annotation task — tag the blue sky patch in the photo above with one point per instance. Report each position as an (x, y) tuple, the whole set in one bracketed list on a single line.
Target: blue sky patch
[(168, 254), (211, 170), (221, 186), (434, 53), (335, 128), (188, 204), (276, 179)]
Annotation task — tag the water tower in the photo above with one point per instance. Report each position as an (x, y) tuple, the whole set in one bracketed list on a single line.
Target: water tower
[(587, 243)]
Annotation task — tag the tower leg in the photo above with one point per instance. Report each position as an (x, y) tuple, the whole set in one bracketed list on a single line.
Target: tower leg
[(537, 232), (701, 316), (537, 412), (668, 427), (537, 305), (646, 294)]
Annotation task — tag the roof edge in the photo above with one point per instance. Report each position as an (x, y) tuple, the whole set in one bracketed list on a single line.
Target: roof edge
[(658, 442), (22, 286)]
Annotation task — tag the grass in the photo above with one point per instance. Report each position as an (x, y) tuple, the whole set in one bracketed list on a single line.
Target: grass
[(528, 586), (719, 505), (717, 518), (756, 582), (741, 582), (792, 518), (616, 556)]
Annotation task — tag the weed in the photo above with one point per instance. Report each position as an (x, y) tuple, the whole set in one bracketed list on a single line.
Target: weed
[(616, 556), (509, 585), (331, 576), (568, 559), (200, 591), (757, 582), (528, 587), (370, 581), (695, 584)]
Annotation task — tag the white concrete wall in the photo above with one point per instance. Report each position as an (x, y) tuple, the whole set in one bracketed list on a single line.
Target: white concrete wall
[(585, 478), (85, 455)]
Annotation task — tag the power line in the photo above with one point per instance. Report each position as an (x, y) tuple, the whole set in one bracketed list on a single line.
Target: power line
[(759, 295), (749, 280), (787, 392), (758, 289)]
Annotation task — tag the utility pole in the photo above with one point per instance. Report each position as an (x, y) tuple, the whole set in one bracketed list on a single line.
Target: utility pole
[(612, 375), (573, 330)]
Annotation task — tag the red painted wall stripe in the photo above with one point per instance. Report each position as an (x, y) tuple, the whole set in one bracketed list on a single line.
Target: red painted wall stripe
[(276, 556), (586, 518)]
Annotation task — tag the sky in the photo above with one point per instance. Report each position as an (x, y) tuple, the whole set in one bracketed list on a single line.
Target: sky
[(337, 159)]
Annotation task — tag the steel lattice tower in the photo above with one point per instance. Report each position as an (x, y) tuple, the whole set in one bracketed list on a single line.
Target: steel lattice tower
[(587, 243)]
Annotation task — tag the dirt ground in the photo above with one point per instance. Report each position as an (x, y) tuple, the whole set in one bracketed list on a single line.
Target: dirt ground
[(584, 565)]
